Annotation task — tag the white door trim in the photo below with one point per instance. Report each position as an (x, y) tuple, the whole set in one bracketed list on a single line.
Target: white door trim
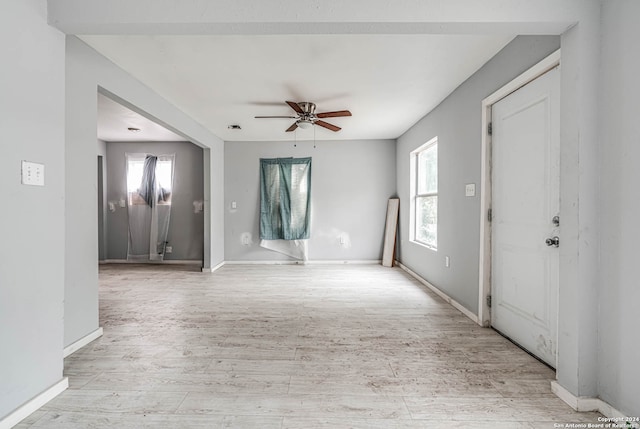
[(553, 60)]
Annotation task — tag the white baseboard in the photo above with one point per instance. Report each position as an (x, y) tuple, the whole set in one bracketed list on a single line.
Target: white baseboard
[(74, 347), (441, 294), (34, 404), (347, 262), (164, 262), (260, 262), (213, 269), (316, 262), (285, 262), (584, 403)]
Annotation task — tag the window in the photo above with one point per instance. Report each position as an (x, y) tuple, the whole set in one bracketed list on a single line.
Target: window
[(424, 194), (285, 201), (163, 177)]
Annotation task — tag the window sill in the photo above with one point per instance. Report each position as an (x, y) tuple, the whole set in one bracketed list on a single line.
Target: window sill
[(426, 246)]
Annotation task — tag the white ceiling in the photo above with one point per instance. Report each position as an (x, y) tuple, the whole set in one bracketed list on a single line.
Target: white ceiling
[(388, 82), (114, 120)]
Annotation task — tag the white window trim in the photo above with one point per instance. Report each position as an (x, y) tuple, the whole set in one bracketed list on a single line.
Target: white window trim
[(413, 185)]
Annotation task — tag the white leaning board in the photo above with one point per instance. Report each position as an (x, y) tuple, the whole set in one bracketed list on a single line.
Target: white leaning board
[(391, 226)]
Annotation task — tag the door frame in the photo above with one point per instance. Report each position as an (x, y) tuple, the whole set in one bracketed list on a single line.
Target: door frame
[(548, 63)]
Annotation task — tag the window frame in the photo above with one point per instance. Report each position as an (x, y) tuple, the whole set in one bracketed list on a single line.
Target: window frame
[(414, 168), (274, 203), (133, 197)]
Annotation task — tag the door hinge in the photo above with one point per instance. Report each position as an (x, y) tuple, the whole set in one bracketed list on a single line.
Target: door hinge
[(489, 301), (490, 128), (490, 215)]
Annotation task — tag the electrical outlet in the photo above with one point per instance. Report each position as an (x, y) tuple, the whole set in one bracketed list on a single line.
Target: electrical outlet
[(470, 190), (32, 173), (168, 249)]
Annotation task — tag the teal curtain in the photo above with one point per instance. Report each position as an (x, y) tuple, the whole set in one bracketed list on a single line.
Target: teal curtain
[(285, 198)]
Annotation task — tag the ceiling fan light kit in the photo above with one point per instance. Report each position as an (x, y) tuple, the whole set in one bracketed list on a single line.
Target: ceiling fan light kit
[(307, 117), (304, 124)]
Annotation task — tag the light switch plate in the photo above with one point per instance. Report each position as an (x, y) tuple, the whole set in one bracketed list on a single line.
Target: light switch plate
[(470, 190), (32, 173)]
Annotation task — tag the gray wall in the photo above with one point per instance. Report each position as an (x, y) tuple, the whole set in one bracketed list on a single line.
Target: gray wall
[(32, 226), (457, 123), (351, 183), (186, 228), (86, 73), (579, 206), (619, 295), (102, 200)]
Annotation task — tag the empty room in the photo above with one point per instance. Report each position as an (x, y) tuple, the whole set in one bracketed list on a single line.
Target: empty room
[(315, 214)]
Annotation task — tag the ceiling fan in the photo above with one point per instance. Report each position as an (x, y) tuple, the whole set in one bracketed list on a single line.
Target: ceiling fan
[(306, 116)]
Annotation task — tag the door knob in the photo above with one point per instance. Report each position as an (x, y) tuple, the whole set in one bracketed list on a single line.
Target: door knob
[(553, 241)]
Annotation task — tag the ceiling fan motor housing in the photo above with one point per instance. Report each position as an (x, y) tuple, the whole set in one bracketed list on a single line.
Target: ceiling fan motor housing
[(307, 117), (307, 107)]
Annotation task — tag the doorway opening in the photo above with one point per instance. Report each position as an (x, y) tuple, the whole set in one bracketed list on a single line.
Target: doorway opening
[(519, 259), (124, 131)]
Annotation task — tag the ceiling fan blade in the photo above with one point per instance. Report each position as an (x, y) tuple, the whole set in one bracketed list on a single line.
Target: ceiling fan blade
[(292, 127), (334, 114), (264, 117), (295, 106), (327, 125)]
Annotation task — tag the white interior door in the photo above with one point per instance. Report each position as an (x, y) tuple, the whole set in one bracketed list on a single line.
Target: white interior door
[(525, 200)]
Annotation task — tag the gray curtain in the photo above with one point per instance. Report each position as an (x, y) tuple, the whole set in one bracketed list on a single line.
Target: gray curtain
[(285, 198), (150, 183)]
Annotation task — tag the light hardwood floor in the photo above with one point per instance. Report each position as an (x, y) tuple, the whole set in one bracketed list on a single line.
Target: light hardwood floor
[(294, 346)]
